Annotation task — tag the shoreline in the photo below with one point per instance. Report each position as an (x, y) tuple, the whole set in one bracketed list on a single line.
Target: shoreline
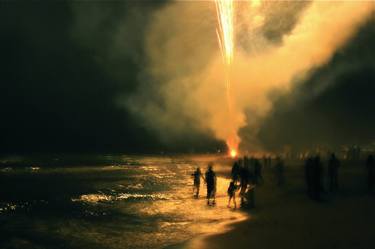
[(286, 218), (199, 240), (222, 227)]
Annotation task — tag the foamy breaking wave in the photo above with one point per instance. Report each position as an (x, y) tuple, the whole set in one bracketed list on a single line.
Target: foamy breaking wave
[(97, 198)]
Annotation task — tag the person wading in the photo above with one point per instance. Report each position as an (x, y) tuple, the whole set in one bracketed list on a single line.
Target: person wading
[(211, 185), (232, 193), (197, 175)]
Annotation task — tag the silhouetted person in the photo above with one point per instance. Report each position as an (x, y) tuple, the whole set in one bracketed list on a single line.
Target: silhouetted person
[(235, 171), (309, 176), (211, 185), (242, 162), (250, 192), (232, 193), (197, 175), (333, 166), (244, 181), (265, 161), (279, 172), (370, 164), (258, 172), (317, 176), (250, 195)]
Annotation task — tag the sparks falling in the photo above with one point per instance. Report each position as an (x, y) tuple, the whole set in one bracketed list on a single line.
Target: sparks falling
[(225, 35)]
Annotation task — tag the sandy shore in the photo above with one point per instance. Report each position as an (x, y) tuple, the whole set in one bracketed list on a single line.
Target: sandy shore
[(286, 218)]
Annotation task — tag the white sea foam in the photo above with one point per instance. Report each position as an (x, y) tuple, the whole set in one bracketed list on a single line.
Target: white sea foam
[(96, 198)]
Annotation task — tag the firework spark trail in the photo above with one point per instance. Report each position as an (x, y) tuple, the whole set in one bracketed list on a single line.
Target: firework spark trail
[(225, 34), (225, 12)]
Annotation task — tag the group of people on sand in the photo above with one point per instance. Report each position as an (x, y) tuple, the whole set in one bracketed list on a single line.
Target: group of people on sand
[(314, 175), (246, 173)]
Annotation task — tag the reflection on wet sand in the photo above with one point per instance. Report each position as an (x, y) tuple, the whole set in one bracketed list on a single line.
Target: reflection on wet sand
[(144, 203)]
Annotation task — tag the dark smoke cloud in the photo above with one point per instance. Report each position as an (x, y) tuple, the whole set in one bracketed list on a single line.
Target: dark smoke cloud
[(63, 66), (334, 107), (275, 23)]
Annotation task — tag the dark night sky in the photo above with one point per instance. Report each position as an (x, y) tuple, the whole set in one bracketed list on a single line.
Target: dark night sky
[(55, 95), (60, 77)]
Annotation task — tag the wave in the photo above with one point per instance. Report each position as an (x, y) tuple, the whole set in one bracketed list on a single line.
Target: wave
[(100, 197)]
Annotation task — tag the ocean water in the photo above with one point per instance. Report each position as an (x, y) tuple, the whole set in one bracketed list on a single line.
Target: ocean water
[(111, 202)]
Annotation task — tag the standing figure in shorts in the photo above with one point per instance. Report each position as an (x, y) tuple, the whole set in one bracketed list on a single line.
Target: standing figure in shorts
[(232, 193), (211, 185), (197, 175)]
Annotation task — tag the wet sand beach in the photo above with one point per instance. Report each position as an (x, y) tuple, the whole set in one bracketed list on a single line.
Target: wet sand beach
[(147, 202), (111, 202), (286, 218)]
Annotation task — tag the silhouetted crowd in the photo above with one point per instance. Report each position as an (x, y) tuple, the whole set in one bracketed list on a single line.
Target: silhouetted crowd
[(246, 175), (314, 175)]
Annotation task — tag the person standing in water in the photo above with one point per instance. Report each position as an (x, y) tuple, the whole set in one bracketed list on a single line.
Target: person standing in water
[(211, 185), (197, 175), (232, 193)]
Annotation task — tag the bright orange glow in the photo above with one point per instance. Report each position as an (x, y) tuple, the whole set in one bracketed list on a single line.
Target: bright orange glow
[(259, 69), (256, 3), (233, 153), (225, 35)]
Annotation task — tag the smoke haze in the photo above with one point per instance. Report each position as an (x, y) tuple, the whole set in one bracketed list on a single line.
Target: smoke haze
[(147, 76), (183, 86)]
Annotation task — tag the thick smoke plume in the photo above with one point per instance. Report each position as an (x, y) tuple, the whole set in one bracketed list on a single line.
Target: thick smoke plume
[(183, 84)]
